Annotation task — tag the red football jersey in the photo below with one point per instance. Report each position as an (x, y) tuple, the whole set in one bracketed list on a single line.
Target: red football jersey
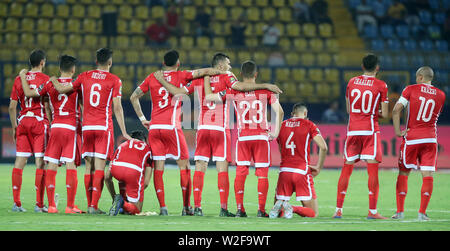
[(251, 112), (213, 116), (425, 103), (294, 141), (365, 94), (30, 106), (65, 107), (98, 89), (166, 110), (134, 154)]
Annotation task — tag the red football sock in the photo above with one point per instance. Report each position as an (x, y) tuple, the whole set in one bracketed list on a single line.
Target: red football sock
[(72, 185), (346, 172), (263, 188), (39, 184), (185, 182), (425, 193), (159, 187), (17, 185), (130, 208), (401, 191), (372, 170), (97, 189), (239, 187), (50, 177), (304, 211), (223, 184), (198, 187), (88, 186)]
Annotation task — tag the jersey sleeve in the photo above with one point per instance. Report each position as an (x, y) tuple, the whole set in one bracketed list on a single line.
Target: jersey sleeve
[(145, 86), (404, 98), (14, 95), (313, 130), (190, 87), (230, 80), (186, 76), (117, 91), (76, 84), (384, 93), (43, 89), (272, 97)]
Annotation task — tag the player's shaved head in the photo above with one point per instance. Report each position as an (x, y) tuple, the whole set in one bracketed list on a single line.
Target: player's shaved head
[(66, 63), (103, 55), (298, 109), (218, 58), (171, 58), (370, 62), (248, 69), (36, 57), (426, 72)]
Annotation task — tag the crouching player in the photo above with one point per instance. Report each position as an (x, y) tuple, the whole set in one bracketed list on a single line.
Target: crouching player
[(130, 168), (296, 175)]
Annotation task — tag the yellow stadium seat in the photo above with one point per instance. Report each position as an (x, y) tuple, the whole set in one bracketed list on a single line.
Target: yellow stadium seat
[(292, 59), (22, 54), (299, 74), (27, 25), (230, 3), (300, 44), (94, 11), (335, 89), (264, 74), (11, 24), (236, 12), (260, 57), (132, 56), (189, 13), (290, 89), (3, 9), (31, 10), (47, 10), (52, 54), (282, 74), (323, 90), (307, 59), (43, 25), (187, 42), (122, 42), (219, 43), (148, 56), (122, 26), (11, 39), (279, 3), (203, 43), (74, 25), (199, 2), (309, 30), (253, 14), (331, 75), (8, 70), (109, 8), (325, 30), (125, 11), (196, 57), (243, 56), (324, 59), (43, 39), (173, 41), (315, 75), (213, 3), (90, 41), (117, 2), (141, 12), (293, 29), (78, 11), (59, 40), (62, 10), (16, 10), (285, 44), (246, 3), (281, 27), (252, 42), (268, 13), (316, 44), (87, 2), (285, 14), (332, 45), (118, 56), (119, 70), (221, 13), (138, 41), (75, 41), (158, 12), (89, 25), (262, 3), (6, 54), (306, 90), (27, 39), (136, 26), (85, 55), (57, 25), (134, 2)]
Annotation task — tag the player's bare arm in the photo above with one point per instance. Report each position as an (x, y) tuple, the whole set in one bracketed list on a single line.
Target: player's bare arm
[(48, 110), (147, 176), (63, 89), (384, 110), (199, 73), (118, 113), (159, 75), (134, 99), (347, 105), (12, 110), (396, 113), (276, 106), (247, 87), (323, 149), (209, 95), (29, 93)]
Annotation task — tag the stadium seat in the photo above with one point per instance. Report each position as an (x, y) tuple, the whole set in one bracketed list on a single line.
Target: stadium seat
[(125, 11), (416, 60), (3, 9), (111, 8), (315, 75), (6, 54), (401, 60), (122, 41), (122, 26), (300, 44), (316, 44), (157, 12), (441, 45), (230, 3), (22, 54), (90, 41), (89, 25), (243, 55), (308, 59), (94, 11), (27, 39), (324, 59), (387, 31), (57, 25), (285, 14), (281, 27), (305, 89), (147, 56), (258, 28), (141, 12), (299, 74), (132, 56), (245, 3), (73, 25), (16, 10), (279, 3), (43, 25), (426, 45), (196, 57), (203, 42), (187, 42), (62, 10), (85, 55), (199, 2), (78, 11), (221, 13), (439, 18), (265, 74), (75, 41), (325, 30), (323, 90), (11, 25), (253, 14), (282, 74), (213, 3), (370, 31), (118, 56), (285, 44), (292, 59), (293, 30), (402, 31), (393, 44), (136, 26), (268, 13), (260, 57), (43, 40), (59, 40), (433, 60), (386, 60), (409, 44), (8, 70), (262, 3), (236, 12), (219, 43), (119, 70), (309, 30), (331, 75), (31, 10), (189, 13), (377, 44), (27, 25), (425, 17), (137, 41), (434, 32)]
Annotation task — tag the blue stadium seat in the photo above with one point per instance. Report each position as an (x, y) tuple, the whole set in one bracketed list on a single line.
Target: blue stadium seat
[(441, 45), (393, 44), (370, 31), (401, 60), (434, 4), (387, 31), (386, 60), (409, 44), (377, 44), (402, 31), (433, 60), (353, 4), (439, 18), (434, 32), (425, 17), (426, 45), (417, 60)]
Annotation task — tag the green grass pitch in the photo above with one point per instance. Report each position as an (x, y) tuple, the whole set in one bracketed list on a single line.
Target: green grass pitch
[(354, 218)]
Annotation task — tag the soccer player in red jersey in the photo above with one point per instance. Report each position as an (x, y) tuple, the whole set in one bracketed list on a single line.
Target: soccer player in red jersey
[(419, 147), (131, 166), (253, 137), (30, 131), (64, 142), (296, 175), (167, 138), (213, 134), (363, 98), (99, 88)]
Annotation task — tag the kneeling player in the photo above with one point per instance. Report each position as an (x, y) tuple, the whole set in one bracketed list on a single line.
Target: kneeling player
[(295, 174), (129, 167)]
